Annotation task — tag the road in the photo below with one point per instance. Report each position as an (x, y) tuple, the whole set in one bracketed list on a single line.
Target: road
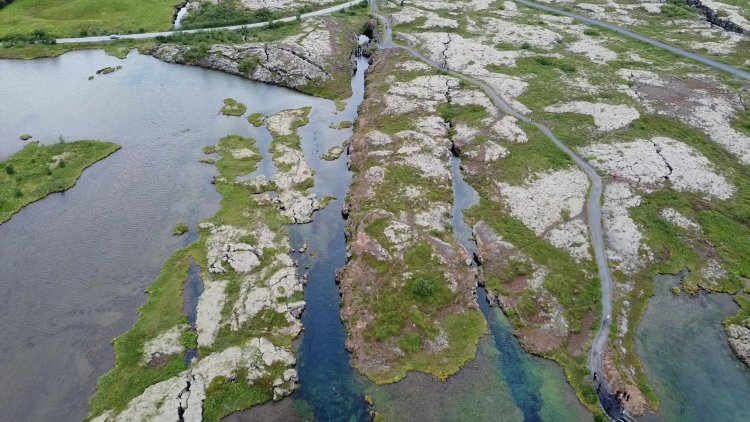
[(630, 34), (149, 35)]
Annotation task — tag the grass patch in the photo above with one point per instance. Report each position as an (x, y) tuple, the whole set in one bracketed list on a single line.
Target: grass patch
[(39, 170), (225, 397), (471, 114), (233, 107), (63, 18), (180, 229), (256, 119)]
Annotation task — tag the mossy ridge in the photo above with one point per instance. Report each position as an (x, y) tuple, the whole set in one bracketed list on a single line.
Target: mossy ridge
[(164, 307), (416, 312), (39, 170)]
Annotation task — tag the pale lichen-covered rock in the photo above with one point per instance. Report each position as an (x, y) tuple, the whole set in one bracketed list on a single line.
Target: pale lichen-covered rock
[(242, 153), (283, 122), (739, 340), (593, 49), (471, 57), (271, 289), (508, 129), (293, 62), (622, 234), (181, 397), (434, 218), (573, 236), (653, 163), (432, 20), (518, 34), (542, 199), (223, 246), (727, 12), (697, 101), (210, 305), (546, 201), (607, 117), (420, 93), (165, 344)]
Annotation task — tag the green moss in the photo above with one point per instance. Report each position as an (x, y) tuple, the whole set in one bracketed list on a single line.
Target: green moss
[(410, 343), (39, 170), (472, 114), (189, 340), (463, 329), (180, 229), (249, 65), (224, 397), (256, 119), (233, 107), (63, 18)]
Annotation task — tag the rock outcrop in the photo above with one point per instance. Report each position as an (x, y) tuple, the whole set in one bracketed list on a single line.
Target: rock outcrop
[(301, 61), (739, 340)]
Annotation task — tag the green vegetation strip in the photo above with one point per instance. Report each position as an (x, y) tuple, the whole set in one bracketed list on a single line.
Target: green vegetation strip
[(37, 171)]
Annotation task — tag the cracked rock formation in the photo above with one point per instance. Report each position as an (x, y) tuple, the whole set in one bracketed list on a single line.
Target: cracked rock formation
[(297, 61)]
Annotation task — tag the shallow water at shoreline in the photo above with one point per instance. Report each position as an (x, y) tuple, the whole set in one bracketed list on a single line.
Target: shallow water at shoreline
[(687, 359)]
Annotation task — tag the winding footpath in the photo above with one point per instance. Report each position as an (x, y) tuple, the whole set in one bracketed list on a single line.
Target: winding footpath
[(150, 35)]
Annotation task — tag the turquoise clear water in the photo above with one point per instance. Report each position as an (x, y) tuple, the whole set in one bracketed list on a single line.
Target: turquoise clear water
[(685, 355)]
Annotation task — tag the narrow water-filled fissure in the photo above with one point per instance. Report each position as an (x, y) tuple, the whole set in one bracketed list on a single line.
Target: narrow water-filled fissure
[(191, 293), (523, 386), (328, 383), (522, 373)]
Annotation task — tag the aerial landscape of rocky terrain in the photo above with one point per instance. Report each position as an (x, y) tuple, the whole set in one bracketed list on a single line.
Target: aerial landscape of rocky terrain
[(391, 190)]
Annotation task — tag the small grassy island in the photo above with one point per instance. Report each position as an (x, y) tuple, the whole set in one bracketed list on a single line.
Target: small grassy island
[(233, 107), (39, 170)]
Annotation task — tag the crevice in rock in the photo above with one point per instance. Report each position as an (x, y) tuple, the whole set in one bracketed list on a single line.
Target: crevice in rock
[(657, 148), (183, 397), (713, 17), (303, 58)]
